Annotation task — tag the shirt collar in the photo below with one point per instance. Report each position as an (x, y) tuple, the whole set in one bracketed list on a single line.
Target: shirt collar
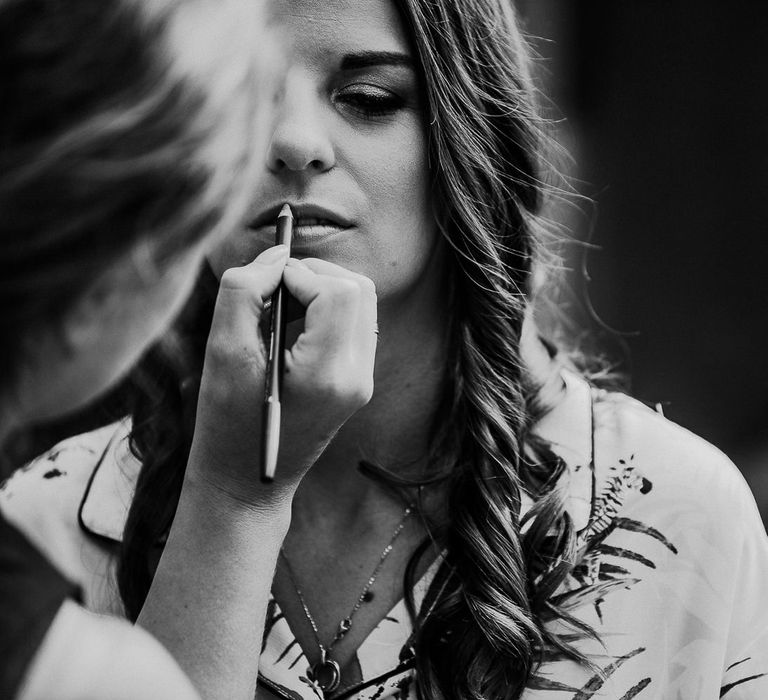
[(108, 496), (567, 427)]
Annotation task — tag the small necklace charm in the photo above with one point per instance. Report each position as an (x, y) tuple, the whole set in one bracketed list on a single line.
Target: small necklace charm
[(344, 627), (326, 673)]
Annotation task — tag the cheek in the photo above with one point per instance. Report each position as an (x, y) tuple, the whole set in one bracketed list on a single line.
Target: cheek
[(398, 185), (403, 174), (403, 231), (410, 203)]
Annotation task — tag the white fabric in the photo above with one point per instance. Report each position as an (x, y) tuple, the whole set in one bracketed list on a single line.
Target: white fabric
[(666, 522)]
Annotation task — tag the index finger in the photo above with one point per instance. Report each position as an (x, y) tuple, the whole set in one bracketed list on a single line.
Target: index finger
[(324, 267)]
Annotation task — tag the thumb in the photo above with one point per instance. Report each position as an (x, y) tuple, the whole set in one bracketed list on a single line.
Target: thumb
[(243, 291), (301, 281)]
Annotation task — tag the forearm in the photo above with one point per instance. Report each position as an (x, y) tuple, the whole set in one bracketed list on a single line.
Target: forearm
[(210, 592), (208, 600)]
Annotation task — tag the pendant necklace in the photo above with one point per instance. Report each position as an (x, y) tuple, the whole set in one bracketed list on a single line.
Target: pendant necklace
[(326, 673)]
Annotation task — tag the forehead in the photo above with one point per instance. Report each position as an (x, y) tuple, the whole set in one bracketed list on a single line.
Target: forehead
[(330, 27)]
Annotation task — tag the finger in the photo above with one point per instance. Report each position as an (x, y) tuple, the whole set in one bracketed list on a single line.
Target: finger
[(324, 267), (244, 290), (332, 304), (263, 273), (315, 275), (270, 256), (364, 321), (259, 278), (368, 307), (301, 281), (341, 315)]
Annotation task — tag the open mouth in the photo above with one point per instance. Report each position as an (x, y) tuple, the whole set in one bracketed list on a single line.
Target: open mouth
[(313, 226), (310, 222)]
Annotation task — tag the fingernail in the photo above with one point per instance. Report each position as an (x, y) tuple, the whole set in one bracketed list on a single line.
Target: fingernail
[(295, 262), (272, 255)]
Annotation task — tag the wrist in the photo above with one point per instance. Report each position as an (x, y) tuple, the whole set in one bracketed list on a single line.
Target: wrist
[(234, 497)]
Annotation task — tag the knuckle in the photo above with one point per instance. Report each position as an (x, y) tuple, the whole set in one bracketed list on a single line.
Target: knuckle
[(345, 387), (239, 284), (233, 278), (343, 292), (367, 286), (363, 393), (331, 385), (345, 287)]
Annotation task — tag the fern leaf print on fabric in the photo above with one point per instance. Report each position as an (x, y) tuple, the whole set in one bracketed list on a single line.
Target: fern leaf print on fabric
[(605, 566)]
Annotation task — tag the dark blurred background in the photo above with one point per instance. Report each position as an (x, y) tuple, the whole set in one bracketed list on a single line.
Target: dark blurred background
[(666, 120)]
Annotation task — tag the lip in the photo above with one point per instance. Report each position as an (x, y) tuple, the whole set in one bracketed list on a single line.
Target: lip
[(322, 219)]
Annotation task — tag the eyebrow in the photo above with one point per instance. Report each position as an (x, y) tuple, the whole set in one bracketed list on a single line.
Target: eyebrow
[(366, 59)]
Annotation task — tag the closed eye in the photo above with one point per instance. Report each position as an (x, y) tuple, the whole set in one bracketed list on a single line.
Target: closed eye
[(370, 101)]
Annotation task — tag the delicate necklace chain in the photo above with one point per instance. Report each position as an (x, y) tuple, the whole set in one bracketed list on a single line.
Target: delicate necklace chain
[(326, 672)]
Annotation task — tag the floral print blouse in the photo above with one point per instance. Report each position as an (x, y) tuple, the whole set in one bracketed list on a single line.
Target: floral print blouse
[(673, 574)]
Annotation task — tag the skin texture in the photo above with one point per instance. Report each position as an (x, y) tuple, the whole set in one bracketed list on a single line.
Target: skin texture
[(350, 139)]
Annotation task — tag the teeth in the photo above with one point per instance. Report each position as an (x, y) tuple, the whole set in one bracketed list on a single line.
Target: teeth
[(315, 222), (306, 221)]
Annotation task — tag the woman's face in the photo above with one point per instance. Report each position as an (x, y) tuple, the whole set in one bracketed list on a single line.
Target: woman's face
[(348, 147)]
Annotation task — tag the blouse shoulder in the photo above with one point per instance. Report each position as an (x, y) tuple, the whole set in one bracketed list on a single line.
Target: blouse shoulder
[(673, 563), (678, 498), (684, 473), (43, 500)]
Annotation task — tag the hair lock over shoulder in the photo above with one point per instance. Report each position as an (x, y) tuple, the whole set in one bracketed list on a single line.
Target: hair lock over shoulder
[(486, 634)]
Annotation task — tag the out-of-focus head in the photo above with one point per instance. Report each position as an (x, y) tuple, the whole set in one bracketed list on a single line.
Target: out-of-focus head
[(129, 136)]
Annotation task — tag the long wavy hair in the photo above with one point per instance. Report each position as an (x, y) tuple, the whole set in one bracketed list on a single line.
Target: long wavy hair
[(486, 631)]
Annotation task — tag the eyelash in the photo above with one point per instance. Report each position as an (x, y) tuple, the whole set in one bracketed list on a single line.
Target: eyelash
[(370, 102)]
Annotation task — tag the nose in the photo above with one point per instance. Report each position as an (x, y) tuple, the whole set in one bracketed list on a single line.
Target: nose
[(300, 139)]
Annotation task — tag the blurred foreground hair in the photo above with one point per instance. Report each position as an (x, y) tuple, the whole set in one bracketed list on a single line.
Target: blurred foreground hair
[(102, 138)]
